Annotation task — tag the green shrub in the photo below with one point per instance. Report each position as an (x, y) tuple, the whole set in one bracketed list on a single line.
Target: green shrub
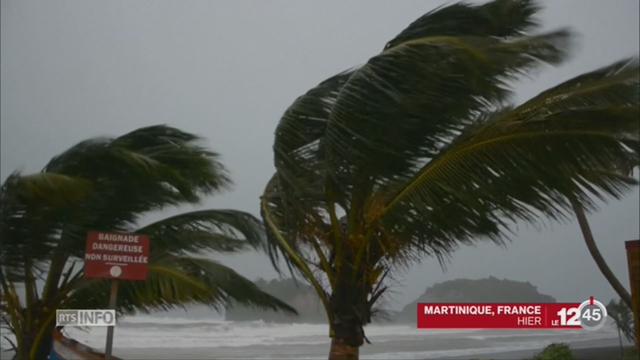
[(555, 352), (631, 353)]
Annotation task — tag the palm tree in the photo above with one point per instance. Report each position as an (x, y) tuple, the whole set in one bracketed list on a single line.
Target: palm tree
[(590, 241), (418, 151), (621, 314), (108, 184)]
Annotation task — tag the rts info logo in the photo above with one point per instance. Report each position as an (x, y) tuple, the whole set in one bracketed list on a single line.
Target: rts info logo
[(95, 317)]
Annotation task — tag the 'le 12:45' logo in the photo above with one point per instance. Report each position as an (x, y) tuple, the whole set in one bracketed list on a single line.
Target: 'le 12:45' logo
[(590, 315)]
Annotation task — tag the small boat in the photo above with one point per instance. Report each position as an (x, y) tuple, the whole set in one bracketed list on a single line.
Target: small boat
[(65, 348)]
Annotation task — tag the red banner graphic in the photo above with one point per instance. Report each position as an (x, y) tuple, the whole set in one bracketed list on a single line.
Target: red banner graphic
[(499, 316)]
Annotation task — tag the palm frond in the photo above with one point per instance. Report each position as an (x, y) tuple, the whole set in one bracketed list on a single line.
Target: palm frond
[(616, 83), (175, 281), (425, 92), (503, 18), (540, 155), (216, 230), (47, 189), (145, 170), (31, 210), (295, 196), (138, 172), (288, 223), (297, 153)]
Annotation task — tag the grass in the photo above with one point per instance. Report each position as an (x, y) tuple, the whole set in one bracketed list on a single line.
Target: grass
[(631, 353)]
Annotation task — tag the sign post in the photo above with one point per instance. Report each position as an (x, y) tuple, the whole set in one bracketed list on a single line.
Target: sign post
[(116, 256), (113, 296)]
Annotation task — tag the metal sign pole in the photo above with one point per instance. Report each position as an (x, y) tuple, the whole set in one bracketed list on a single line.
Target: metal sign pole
[(112, 305)]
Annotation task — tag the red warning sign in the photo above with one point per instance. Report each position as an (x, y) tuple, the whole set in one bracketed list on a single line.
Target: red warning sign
[(116, 256)]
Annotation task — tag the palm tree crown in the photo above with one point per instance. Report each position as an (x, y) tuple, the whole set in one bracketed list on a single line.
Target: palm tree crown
[(107, 184), (419, 150)]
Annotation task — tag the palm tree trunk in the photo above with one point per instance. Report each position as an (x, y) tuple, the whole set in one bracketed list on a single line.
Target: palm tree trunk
[(347, 336), (621, 347), (597, 256), (44, 347), (347, 333), (340, 350)]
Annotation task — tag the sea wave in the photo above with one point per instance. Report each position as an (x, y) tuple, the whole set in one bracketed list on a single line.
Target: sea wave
[(161, 336), (168, 332)]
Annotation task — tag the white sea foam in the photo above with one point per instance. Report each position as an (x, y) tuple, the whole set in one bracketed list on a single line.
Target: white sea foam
[(191, 333), (161, 332), (310, 341)]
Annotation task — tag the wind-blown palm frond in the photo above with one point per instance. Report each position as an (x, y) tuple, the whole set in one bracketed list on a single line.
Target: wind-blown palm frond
[(503, 18), (29, 207), (304, 123), (138, 172), (293, 205), (567, 146), (48, 189), (216, 230), (298, 157), (429, 83), (424, 91), (145, 170), (175, 281)]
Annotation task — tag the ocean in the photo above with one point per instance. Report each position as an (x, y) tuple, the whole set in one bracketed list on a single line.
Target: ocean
[(157, 337)]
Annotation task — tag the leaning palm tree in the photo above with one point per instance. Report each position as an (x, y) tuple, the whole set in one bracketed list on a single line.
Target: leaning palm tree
[(418, 151), (590, 242), (108, 184), (621, 314)]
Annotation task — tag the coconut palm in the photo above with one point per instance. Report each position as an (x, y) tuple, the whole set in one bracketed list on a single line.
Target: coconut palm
[(419, 151), (590, 242), (108, 184), (621, 314)]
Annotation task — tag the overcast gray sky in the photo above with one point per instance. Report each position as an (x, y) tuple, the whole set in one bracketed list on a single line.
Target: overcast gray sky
[(226, 70)]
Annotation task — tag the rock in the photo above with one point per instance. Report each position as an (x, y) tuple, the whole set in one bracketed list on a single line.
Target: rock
[(490, 290)]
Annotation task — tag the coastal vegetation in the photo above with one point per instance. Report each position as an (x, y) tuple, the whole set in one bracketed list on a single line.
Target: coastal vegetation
[(555, 352), (109, 184), (622, 316), (420, 150)]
